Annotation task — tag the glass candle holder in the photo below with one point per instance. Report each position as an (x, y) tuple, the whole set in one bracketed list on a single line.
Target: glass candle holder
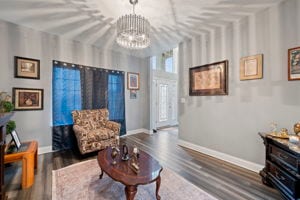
[(118, 140), (114, 154), (273, 127), (136, 151)]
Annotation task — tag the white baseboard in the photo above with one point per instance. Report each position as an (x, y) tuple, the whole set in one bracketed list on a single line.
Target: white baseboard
[(222, 156), (46, 149), (141, 130)]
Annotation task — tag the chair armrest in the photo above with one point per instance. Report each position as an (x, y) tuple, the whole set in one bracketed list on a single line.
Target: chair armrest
[(80, 133), (82, 139), (113, 126)]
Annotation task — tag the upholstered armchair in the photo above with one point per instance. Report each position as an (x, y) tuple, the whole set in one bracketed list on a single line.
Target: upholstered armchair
[(93, 131)]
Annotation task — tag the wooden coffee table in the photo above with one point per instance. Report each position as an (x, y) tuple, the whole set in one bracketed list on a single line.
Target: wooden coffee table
[(122, 172)]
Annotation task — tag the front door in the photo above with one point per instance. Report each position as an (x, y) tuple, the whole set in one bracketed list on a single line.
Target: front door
[(166, 105)]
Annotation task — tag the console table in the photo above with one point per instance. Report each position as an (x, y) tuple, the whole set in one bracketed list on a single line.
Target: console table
[(282, 166), (4, 118)]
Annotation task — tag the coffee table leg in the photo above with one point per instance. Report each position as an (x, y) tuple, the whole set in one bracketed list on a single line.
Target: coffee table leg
[(157, 187), (130, 191), (101, 175)]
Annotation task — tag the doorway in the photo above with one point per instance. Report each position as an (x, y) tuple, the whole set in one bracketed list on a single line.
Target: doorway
[(165, 102), (164, 85)]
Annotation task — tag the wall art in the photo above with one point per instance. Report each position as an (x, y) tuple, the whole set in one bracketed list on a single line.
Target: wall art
[(251, 67), (15, 139), (133, 81), (210, 79), (294, 64), (133, 94), (28, 99), (27, 68)]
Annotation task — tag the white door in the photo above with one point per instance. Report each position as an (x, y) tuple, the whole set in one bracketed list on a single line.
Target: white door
[(166, 106)]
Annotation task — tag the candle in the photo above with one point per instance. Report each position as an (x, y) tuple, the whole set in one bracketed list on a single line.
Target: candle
[(118, 140), (135, 150)]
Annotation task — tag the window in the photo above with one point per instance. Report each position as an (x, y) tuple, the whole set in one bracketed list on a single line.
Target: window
[(163, 62), (76, 87), (116, 100), (163, 102), (153, 62), (169, 64), (66, 94)]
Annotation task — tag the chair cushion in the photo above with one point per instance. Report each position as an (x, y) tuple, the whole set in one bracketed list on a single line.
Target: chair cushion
[(100, 134)]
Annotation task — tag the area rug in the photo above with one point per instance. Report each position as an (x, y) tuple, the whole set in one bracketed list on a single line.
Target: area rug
[(81, 182)]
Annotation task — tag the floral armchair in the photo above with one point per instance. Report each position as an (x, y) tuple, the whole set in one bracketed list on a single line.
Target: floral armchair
[(93, 131)]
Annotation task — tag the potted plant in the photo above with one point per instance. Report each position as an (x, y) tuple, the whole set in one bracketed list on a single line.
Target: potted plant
[(5, 102), (7, 106), (10, 126)]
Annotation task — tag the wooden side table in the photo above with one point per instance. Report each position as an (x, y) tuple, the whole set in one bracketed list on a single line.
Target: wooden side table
[(28, 156)]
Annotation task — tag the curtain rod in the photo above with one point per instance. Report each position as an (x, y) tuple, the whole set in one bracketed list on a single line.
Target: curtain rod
[(56, 62)]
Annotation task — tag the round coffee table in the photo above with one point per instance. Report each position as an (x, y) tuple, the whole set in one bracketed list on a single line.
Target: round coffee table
[(149, 171)]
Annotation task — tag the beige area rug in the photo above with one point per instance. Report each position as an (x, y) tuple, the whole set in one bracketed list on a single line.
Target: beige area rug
[(81, 182)]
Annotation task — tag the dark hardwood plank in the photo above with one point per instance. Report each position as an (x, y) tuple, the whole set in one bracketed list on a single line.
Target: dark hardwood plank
[(222, 180)]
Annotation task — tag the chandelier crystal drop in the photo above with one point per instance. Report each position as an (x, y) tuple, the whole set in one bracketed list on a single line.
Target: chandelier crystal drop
[(133, 30)]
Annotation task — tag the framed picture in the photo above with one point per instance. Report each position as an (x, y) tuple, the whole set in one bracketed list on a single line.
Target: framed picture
[(210, 79), (27, 68), (251, 67), (133, 81), (133, 94), (294, 64), (28, 99), (15, 139)]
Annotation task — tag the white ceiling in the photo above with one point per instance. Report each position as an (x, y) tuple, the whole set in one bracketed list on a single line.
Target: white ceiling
[(93, 21)]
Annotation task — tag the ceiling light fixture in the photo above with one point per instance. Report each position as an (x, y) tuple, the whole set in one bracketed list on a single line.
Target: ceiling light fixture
[(133, 30)]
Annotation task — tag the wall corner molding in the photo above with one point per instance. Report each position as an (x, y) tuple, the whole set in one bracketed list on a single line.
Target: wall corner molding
[(222, 156)]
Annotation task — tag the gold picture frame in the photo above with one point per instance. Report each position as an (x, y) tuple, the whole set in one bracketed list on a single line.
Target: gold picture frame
[(210, 79), (27, 68), (28, 99), (251, 67), (294, 64), (133, 81)]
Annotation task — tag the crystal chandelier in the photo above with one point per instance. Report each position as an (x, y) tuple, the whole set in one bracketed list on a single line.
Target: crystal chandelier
[(133, 30)]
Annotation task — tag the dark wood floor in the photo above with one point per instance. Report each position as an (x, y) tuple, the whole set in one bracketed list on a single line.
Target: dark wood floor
[(222, 180)]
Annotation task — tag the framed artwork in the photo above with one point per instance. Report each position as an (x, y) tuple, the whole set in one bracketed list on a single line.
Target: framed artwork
[(15, 139), (28, 99), (294, 64), (27, 68), (133, 81), (133, 94), (209, 80), (251, 67)]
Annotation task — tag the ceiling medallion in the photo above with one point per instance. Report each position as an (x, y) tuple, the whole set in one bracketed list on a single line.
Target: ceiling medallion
[(133, 30)]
